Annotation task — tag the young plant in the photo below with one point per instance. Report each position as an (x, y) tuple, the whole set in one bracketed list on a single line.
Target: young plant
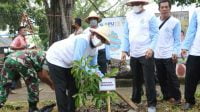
[(87, 82)]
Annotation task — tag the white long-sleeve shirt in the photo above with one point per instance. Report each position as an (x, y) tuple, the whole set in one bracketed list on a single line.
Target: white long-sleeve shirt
[(192, 38), (140, 33), (168, 42), (64, 52)]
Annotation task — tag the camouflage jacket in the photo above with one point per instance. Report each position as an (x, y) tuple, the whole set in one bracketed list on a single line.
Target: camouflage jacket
[(29, 58)]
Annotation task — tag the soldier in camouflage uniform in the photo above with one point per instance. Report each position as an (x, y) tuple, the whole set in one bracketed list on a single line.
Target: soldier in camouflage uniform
[(29, 65)]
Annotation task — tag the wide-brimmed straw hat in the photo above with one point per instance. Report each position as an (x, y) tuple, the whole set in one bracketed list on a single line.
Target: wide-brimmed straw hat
[(103, 32), (93, 14), (129, 2)]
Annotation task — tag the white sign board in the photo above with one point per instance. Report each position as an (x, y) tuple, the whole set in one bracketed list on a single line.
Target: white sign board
[(107, 84)]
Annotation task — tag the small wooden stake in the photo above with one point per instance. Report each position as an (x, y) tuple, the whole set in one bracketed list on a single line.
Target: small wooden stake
[(108, 102), (127, 100)]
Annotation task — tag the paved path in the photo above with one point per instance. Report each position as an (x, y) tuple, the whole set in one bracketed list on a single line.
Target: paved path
[(48, 94), (21, 95)]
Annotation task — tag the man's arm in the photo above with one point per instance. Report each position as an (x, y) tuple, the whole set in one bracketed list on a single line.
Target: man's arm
[(176, 35), (125, 39), (80, 48), (191, 33), (125, 43), (44, 77), (154, 31)]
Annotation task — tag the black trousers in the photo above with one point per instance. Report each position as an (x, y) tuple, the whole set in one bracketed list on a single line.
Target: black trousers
[(64, 87), (169, 83), (192, 78), (102, 61), (143, 72)]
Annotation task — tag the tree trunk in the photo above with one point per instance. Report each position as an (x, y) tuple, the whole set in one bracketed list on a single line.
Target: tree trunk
[(59, 19)]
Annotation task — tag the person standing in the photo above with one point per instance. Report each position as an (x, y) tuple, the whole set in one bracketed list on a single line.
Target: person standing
[(19, 42), (103, 51), (141, 32), (60, 57), (192, 44), (166, 53), (76, 25)]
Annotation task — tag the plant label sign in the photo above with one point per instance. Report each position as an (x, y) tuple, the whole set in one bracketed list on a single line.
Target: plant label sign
[(107, 84)]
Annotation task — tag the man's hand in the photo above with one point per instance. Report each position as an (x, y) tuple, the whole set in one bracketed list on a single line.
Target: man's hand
[(149, 53), (174, 58), (123, 57), (183, 53)]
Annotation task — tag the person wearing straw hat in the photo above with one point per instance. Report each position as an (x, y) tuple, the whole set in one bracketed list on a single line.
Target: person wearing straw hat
[(60, 57), (140, 35), (93, 19), (103, 51)]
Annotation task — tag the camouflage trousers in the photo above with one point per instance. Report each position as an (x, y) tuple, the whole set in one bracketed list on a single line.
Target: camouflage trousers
[(10, 69)]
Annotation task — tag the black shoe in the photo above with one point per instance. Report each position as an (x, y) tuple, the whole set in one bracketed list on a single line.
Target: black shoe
[(48, 108), (177, 102), (33, 110), (1, 105), (187, 106)]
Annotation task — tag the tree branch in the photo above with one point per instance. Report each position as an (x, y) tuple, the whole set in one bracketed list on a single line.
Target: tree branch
[(111, 7), (96, 8)]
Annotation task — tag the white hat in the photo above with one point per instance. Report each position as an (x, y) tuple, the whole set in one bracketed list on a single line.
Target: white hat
[(93, 14), (128, 3), (103, 32)]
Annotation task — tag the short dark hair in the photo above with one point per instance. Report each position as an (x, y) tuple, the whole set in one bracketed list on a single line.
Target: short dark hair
[(78, 21), (21, 27), (162, 1)]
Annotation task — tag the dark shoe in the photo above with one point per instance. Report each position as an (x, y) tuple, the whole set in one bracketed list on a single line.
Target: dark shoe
[(33, 110), (1, 105), (48, 108), (177, 102), (171, 100), (187, 106)]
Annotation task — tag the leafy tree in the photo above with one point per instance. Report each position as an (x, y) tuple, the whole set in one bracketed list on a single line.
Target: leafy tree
[(184, 2), (54, 16), (10, 11)]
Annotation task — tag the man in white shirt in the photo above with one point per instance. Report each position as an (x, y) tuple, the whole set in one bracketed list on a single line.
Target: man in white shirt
[(166, 52), (192, 44), (141, 31), (103, 51), (60, 57)]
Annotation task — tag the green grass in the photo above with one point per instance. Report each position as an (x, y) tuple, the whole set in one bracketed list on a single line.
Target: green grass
[(22, 106)]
